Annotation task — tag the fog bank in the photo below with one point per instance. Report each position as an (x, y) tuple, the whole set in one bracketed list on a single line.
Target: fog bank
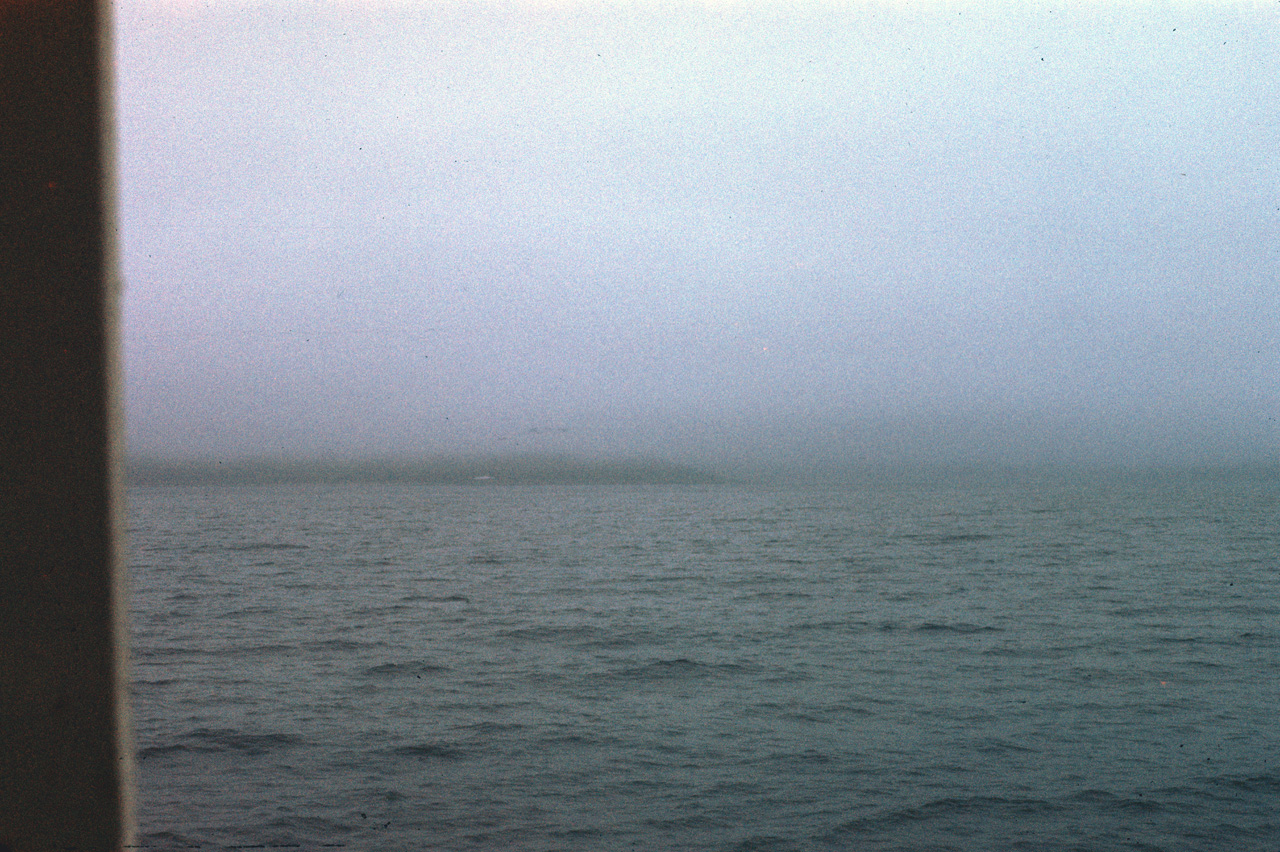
[(724, 236)]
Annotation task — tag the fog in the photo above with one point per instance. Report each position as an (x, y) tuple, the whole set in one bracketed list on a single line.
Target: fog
[(700, 233)]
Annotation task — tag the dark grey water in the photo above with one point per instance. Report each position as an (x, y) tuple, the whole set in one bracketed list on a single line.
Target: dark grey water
[(1028, 663)]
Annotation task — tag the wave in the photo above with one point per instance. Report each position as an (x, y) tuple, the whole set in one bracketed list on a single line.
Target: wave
[(969, 807), (778, 596), (962, 628), (1112, 801), (575, 738), (169, 651), (206, 740), (938, 539), (552, 633), (1267, 783), (414, 598), (166, 840), (238, 650), (492, 727), (148, 752), (766, 843), (437, 751), (412, 667), (681, 668), (997, 745), (340, 645)]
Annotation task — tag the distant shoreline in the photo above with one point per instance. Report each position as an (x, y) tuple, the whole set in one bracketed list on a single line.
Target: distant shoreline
[(436, 471), (567, 470)]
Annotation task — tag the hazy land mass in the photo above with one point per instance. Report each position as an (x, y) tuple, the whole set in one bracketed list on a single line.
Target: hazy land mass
[(530, 469), (535, 469)]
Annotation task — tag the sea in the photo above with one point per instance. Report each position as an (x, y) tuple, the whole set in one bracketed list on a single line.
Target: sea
[(935, 661)]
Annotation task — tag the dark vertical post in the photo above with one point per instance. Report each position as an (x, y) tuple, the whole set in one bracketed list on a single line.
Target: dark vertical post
[(64, 758)]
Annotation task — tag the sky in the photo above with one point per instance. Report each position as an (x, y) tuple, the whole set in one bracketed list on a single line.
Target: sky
[(721, 233)]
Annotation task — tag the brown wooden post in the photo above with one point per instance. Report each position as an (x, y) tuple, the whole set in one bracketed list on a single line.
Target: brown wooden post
[(64, 752)]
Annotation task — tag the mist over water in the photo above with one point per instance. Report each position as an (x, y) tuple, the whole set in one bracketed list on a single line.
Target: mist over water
[(729, 236)]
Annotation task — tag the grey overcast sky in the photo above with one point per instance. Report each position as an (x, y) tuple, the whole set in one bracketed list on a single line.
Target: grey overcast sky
[(703, 231)]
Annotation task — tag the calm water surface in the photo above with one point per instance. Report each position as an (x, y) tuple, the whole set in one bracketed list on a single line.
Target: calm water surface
[(1047, 663)]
